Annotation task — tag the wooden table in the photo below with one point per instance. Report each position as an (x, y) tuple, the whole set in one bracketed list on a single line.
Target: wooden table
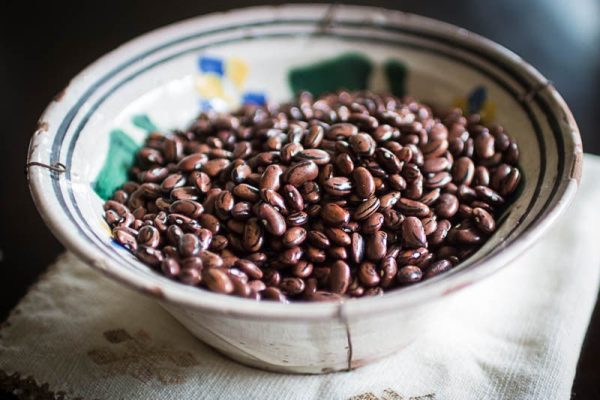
[(43, 45)]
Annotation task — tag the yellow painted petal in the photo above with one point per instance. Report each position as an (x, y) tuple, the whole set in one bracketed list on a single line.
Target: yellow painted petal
[(488, 111), (237, 71), (104, 226), (461, 103), (209, 86)]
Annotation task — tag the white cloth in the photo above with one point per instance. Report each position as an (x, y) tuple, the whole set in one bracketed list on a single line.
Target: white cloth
[(516, 335)]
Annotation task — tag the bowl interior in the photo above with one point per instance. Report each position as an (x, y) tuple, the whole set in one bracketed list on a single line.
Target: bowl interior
[(164, 79)]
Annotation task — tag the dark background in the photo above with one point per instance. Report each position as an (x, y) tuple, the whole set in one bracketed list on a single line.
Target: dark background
[(44, 44)]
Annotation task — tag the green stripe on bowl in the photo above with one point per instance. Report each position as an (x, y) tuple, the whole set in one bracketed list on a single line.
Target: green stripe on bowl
[(120, 157)]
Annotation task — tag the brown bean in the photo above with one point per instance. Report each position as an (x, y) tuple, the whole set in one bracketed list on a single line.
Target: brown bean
[(411, 256), (362, 144), (209, 222), (173, 181), (189, 245), (383, 133), (488, 195), (435, 148), (274, 199), (334, 215), (338, 186), (392, 219), (217, 280), (292, 286), (437, 164), (297, 219), (430, 197), (344, 164), (447, 205), (184, 193), (322, 295), (311, 193), (125, 238), (413, 208), (210, 259), (388, 272), (190, 276), (301, 172), (409, 274), (413, 234), (482, 176), (437, 268), (192, 263), (315, 254), (212, 168), (484, 145), (429, 225), (484, 220), (376, 246), (188, 208), (364, 186), (148, 236), (366, 208), (291, 256), (465, 234), (438, 180), (271, 177), (318, 239), (192, 162), (341, 131), (257, 286), (388, 160), (389, 200), (249, 268), (314, 137), (201, 181), (302, 269), (294, 236), (510, 183), (368, 275), (337, 236), (440, 233), (272, 220), (149, 255), (240, 288), (372, 223), (511, 154), (339, 278), (253, 235), (463, 171), (357, 248), (170, 267), (224, 204), (319, 157), (397, 182), (293, 198)]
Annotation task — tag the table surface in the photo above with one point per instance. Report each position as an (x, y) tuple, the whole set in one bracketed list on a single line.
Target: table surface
[(43, 45)]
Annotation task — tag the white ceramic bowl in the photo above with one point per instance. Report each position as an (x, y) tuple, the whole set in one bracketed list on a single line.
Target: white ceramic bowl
[(164, 77)]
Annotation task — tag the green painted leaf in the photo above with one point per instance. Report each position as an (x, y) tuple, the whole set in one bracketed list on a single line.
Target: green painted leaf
[(349, 71), (396, 72), (120, 157), (144, 122)]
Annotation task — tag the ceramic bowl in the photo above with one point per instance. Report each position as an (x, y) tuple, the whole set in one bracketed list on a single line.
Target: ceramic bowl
[(164, 78)]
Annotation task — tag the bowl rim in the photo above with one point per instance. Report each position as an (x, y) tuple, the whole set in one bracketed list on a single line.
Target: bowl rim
[(433, 289)]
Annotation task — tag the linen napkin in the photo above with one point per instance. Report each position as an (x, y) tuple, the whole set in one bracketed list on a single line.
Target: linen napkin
[(516, 335)]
